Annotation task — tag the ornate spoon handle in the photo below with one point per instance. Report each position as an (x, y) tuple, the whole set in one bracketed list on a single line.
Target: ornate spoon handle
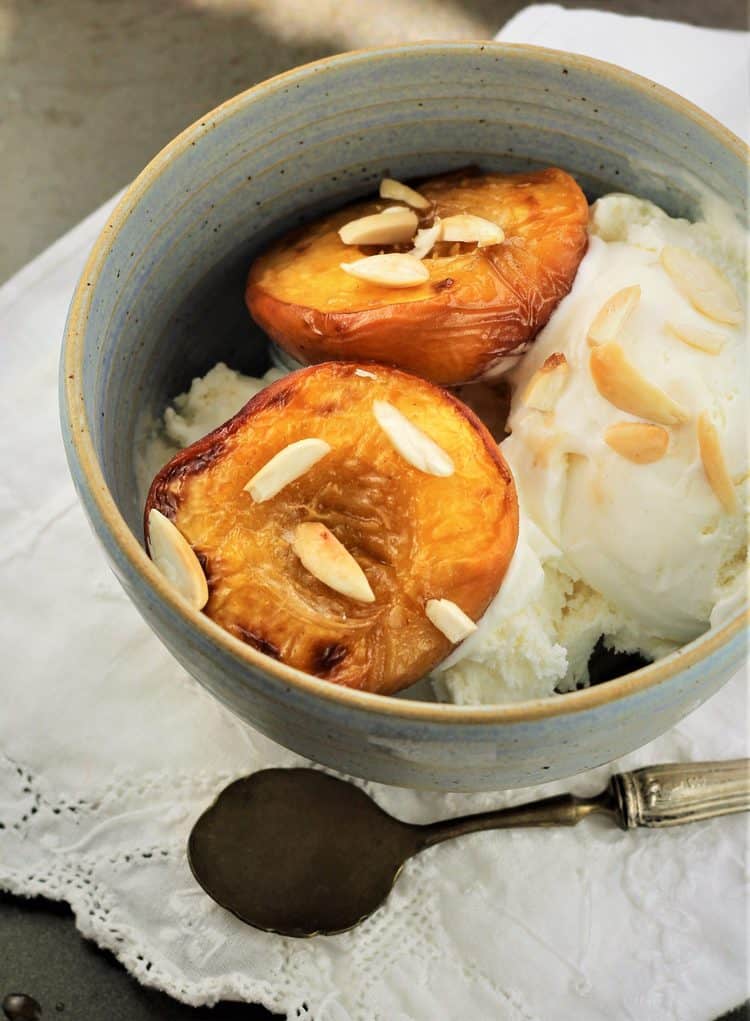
[(675, 793), (664, 795)]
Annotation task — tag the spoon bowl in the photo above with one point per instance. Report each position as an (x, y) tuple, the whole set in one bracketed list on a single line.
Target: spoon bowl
[(298, 852)]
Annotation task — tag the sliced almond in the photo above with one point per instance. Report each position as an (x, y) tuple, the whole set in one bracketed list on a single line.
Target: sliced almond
[(468, 228), (389, 270), (426, 239), (543, 444), (702, 284), (619, 382), (613, 315), (390, 189), (639, 442), (547, 383), (414, 446), (696, 336), (175, 558), (289, 464), (390, 228), (450, 619), (714, 463), (365, 374), (330, 562)]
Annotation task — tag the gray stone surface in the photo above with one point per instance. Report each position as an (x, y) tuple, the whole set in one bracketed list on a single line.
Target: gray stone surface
[(89, 91), (42, 955)]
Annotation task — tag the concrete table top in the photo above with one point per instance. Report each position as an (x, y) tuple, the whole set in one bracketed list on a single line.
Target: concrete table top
[(90, 90)]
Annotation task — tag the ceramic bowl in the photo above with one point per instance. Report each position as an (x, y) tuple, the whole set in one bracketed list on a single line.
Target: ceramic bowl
[(161, 300)]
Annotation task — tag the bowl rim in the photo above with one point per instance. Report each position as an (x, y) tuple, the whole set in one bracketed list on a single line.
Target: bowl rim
[(81, 444)]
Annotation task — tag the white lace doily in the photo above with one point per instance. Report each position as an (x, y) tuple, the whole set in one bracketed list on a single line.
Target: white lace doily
[(108, 753)]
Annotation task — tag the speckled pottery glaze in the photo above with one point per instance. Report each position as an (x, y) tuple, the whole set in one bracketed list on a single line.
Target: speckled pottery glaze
[(161, 300)]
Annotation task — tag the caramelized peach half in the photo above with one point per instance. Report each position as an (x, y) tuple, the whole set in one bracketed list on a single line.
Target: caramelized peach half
[(333, 508), (479, 306)]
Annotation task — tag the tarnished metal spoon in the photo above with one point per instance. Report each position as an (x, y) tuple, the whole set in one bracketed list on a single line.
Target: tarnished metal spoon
[(299, 852)]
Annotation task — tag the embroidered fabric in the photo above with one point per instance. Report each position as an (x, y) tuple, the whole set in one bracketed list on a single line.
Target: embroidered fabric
[(109, 752)]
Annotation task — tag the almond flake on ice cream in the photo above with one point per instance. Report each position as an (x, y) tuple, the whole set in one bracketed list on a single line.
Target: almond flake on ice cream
[(639, 442), (614, 313), (714, 463), (620, 383), (547, 383), (710, 341), (702, 284)]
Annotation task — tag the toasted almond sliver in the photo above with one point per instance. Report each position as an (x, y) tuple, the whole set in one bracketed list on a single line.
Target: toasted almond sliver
[(696, 336), (450, 619), (390, 189), (468, 228), (289, 464), (702, 284), (547, 383), (426, 239), (330, 562), (714, 464), (639, 442), (619, 382), (175, 558), (390, 228), (389, 270), (365, 374), (613, 315), (414, 446)]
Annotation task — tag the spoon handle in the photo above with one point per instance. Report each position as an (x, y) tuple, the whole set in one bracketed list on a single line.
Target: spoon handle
[(678, 792), (664, 795), (562, 810)]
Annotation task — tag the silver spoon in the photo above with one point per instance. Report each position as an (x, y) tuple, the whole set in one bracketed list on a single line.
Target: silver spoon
[(299, 852)]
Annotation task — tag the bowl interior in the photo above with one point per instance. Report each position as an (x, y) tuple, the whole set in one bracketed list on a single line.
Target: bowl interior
[(168, 300)]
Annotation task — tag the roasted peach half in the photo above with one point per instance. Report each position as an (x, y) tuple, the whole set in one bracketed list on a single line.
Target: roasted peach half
[(351, 521), (480, 304)]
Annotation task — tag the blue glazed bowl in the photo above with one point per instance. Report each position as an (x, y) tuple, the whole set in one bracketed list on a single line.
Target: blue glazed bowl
[(161, 300)]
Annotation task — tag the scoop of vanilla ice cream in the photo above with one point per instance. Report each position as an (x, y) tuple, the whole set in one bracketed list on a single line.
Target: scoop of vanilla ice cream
[(653, 539), (642, 553), (211, 400), (537, 635)]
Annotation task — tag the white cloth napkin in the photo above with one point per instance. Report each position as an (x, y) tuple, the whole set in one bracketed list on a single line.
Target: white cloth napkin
[(108, 752)]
